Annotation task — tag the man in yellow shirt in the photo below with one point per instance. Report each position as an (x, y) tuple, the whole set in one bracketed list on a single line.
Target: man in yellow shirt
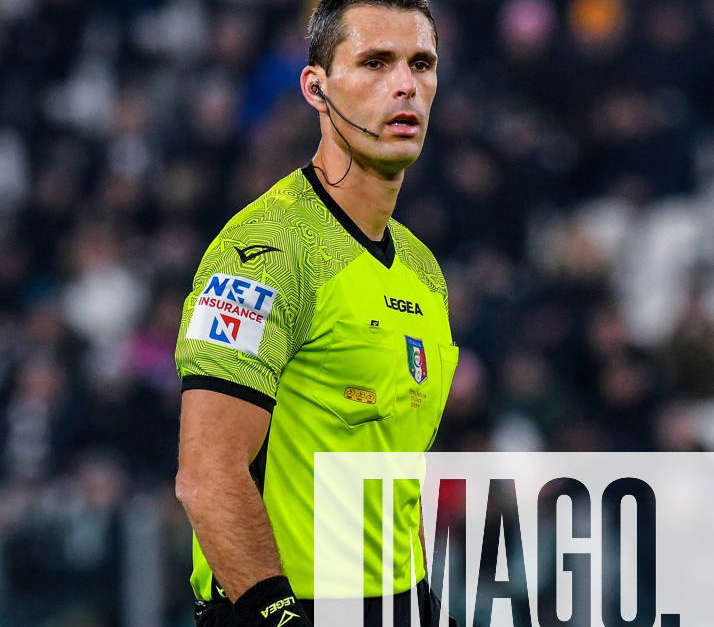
[(316, 322)]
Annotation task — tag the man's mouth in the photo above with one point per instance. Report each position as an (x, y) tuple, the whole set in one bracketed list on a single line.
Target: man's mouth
[(405, 120), (405, 125)]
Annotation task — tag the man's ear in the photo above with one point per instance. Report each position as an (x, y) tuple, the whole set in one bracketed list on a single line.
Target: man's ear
[(309, 77)]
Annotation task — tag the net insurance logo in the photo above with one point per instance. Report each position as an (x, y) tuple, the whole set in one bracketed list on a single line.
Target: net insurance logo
[(523, 539), (231, 312)]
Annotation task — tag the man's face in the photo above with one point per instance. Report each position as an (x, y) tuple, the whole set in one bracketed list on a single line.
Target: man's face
[(383, 77)]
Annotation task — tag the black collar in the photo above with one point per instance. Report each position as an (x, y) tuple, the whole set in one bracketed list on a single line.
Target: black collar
[(382, 253)]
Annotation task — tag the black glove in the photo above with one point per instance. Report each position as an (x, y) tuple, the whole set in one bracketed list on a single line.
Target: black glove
[(269, 603)]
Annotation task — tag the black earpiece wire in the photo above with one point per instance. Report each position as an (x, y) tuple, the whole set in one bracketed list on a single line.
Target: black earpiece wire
[(349, 148), (317, 90)]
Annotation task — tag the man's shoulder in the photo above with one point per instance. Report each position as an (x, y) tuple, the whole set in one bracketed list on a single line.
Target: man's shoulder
[(278, 219), (284, 203), (263, 241), (283, 235), (417, 256), (412, 251)]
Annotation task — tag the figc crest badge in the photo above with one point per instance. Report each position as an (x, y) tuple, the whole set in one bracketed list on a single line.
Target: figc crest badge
[(416, 358)]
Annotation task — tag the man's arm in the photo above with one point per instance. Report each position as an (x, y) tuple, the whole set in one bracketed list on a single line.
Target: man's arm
[(220, 436)]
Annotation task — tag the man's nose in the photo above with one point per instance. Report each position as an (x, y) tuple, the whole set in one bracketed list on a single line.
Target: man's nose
[(404, 83)]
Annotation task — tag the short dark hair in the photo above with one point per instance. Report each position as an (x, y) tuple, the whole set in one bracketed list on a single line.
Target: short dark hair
[(326, 29)]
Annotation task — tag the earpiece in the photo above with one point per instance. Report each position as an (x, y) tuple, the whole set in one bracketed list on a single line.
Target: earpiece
[(316, 90)]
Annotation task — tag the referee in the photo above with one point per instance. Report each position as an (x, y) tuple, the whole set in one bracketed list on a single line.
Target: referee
[(316, 322)]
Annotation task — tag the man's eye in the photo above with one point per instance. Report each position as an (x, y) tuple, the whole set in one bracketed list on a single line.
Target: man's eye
[(374, 64), (422, 66)]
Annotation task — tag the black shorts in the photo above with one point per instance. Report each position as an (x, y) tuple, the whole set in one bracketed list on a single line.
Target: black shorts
[(214, 613)]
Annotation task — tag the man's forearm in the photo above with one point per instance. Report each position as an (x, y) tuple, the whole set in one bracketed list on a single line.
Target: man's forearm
[(232, 527)]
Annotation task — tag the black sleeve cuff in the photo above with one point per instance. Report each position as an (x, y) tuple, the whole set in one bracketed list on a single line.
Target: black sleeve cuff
[(214, 384)]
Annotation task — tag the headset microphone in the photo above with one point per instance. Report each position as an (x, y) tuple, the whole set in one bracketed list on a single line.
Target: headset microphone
[(317, 91)]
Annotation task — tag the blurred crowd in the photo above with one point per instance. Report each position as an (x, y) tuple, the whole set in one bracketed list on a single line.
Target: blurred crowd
[(567, 187)]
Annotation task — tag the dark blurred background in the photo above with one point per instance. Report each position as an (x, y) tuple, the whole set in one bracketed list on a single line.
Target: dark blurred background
[(567, 187)]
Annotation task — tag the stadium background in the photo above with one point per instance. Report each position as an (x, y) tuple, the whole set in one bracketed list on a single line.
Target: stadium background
[(567, 187)]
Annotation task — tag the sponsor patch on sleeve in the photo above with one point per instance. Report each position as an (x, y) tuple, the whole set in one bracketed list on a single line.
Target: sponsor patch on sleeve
[(231, 311)]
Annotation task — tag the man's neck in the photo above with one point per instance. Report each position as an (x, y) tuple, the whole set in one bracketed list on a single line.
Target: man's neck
[(367, 197)]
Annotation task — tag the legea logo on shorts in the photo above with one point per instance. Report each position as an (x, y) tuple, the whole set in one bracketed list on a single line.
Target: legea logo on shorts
[(231, 311)]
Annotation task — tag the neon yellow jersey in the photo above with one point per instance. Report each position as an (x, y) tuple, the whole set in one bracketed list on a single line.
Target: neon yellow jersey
[(346, 340)]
